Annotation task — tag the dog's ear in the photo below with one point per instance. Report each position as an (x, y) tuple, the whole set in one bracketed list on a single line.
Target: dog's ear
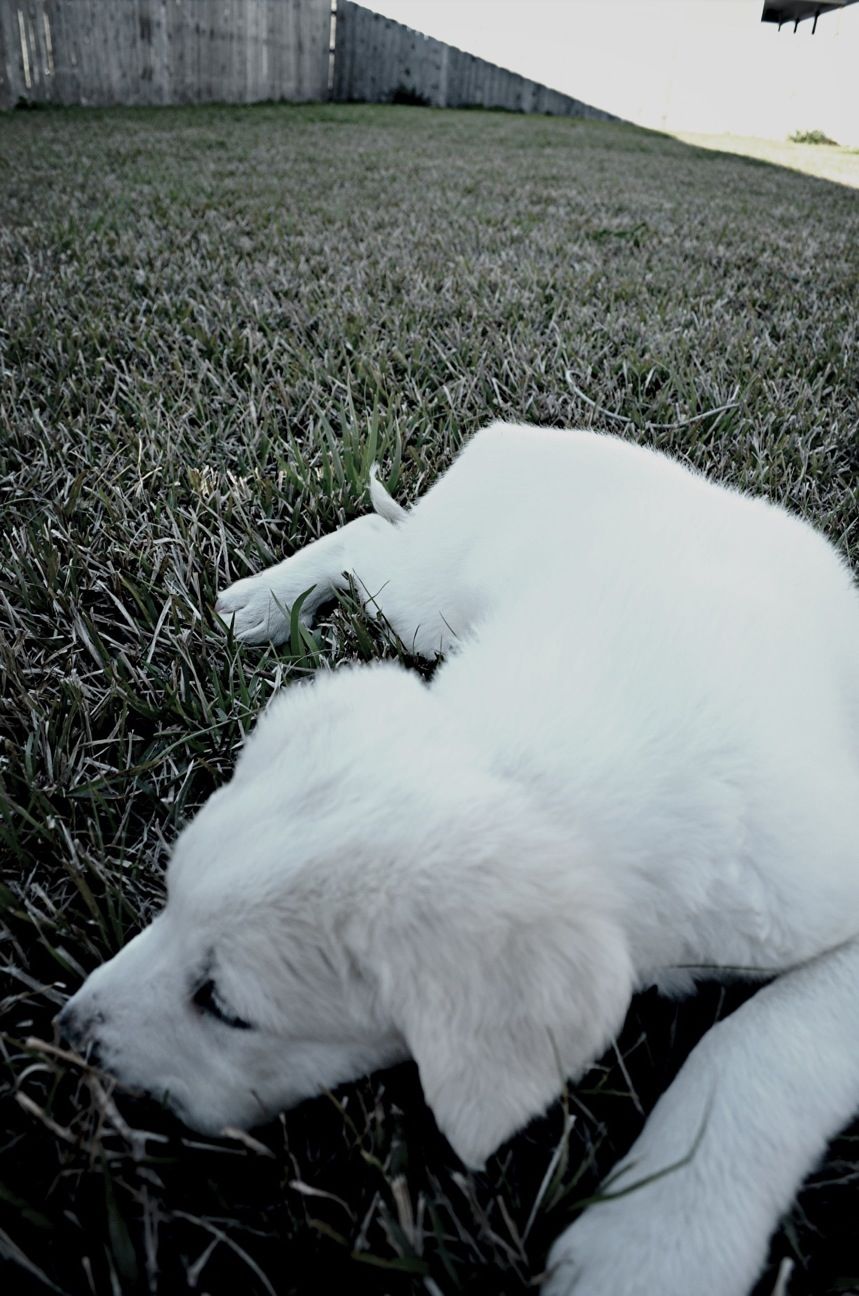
[(499, 1008)]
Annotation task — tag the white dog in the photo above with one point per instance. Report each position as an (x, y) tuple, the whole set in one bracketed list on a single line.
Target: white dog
[(640, 759)]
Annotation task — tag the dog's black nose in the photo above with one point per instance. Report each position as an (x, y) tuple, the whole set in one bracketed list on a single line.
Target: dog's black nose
[(72, 1028)]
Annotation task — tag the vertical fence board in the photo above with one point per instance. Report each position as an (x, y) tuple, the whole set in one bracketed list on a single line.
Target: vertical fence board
[(289, 35), (65, 70), (31, 62), (277, 78), (11, 72)]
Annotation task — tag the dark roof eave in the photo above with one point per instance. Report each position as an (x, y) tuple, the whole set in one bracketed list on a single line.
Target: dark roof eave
[(794, 11)]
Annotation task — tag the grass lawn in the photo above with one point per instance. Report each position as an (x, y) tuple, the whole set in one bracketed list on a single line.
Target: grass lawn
[(212, 319)]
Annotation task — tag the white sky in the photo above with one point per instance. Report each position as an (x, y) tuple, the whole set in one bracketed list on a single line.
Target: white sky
[(697, 65)]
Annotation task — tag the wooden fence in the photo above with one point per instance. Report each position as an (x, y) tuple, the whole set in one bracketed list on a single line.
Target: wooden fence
[(239, 51), (377, 60), (162, 51)]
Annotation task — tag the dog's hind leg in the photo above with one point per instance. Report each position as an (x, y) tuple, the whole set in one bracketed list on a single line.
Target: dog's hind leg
[(726, 1147), (410, 574), (259, 607)]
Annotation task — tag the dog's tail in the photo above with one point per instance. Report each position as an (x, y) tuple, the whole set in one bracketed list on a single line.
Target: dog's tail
[(384, 505)]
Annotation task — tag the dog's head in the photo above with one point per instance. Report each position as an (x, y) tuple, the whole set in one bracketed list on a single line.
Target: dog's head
[(363, 890)]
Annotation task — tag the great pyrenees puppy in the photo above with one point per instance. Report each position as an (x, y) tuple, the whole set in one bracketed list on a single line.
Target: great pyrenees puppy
[(639, 760)]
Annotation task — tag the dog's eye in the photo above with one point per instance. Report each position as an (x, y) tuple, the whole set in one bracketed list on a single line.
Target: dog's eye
[(206, 999)]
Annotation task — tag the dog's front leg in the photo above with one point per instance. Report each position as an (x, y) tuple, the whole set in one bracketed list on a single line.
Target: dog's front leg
[(258, 607), (745, 1121)]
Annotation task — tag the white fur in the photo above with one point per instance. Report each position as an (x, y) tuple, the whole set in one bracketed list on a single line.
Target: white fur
[(640, 757)]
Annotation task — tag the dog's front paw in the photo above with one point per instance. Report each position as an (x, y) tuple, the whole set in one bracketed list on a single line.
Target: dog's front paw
[(589, 1259), (638, 1248), (256, 609)]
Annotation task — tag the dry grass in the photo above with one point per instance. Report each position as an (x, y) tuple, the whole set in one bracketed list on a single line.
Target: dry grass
[(828, 162), (211, 321)]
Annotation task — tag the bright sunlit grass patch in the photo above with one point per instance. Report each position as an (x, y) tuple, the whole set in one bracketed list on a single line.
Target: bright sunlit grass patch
[(802, 152)]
